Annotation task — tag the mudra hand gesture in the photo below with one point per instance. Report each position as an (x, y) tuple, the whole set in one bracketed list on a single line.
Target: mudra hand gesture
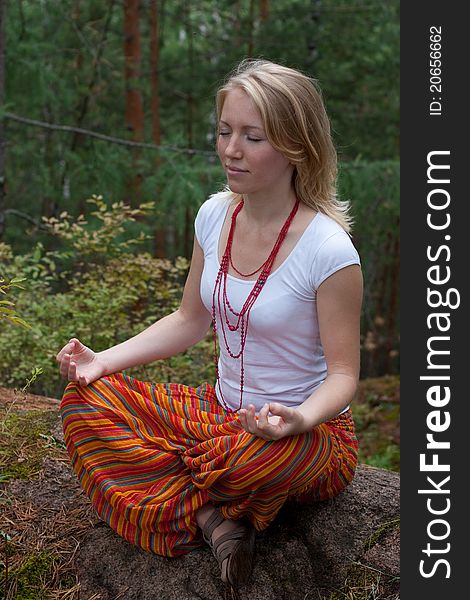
[(282, 421), (79, 363)]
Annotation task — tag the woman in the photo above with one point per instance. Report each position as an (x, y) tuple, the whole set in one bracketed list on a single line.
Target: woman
[(275, 273)]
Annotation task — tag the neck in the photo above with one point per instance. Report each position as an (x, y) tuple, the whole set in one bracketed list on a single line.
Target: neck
[(261, 209)]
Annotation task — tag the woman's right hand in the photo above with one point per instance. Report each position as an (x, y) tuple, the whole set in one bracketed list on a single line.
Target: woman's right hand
[(79, 363)]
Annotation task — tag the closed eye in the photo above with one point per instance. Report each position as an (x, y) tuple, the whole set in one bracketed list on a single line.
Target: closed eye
[(250, 138)]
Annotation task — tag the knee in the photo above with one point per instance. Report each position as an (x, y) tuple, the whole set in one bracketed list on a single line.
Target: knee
[(277, 461), (73, 394)]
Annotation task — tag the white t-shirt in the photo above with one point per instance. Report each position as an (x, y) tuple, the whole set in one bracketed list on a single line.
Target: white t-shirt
[(283, 357)]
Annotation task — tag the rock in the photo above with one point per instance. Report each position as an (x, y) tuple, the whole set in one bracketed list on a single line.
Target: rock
[(308, 552)]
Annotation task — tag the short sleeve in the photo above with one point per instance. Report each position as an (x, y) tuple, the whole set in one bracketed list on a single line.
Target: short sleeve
[(208, 217), (199, 225), (335, 253)]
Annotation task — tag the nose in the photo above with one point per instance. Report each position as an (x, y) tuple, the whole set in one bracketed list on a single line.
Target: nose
[(233, 148)]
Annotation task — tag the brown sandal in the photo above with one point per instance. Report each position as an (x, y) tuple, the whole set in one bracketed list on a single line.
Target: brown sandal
[(237, 546)]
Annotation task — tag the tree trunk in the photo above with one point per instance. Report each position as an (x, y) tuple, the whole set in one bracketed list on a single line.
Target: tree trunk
[(155, 76), (2, 122), (315, 17), (160, 231), (82, 108), (264, 9), (189, 96), (134, 102), (237, 26), (84, 104), (251, 26), (188, 220)]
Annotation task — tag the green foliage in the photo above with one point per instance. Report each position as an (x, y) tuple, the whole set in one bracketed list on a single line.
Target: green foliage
[(358, 64), (31, 576), (22, 448), (388, 458), (104, 240), (35, 373), (7, 308), (93, 288), (65, 66), (373, 188)]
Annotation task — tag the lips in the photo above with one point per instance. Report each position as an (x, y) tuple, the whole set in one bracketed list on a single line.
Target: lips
[(233, 169)]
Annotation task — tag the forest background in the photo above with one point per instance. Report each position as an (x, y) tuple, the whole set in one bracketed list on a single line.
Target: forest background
[(107, 136)]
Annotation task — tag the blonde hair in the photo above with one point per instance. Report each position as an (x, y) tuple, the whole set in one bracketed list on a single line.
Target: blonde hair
[(296, 124)]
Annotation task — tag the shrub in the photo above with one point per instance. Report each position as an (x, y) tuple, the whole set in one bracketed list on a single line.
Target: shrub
[(7, 307), (95, 289)]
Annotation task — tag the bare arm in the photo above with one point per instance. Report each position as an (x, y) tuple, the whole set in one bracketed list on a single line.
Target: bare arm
[(339, 300), (170, 335)]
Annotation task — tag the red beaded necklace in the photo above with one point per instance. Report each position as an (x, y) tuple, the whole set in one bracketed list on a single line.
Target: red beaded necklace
[(221, 306)]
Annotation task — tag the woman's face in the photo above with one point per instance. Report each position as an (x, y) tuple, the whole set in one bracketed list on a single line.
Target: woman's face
[(251, 164)]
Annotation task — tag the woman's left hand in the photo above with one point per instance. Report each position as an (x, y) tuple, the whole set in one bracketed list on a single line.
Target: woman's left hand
[(282, 421)]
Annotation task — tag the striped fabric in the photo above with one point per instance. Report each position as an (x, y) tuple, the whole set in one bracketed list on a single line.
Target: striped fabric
[(149, 455)]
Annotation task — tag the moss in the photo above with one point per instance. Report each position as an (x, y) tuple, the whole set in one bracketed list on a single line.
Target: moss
[(22, 442), (363, 582), (381, 531), (32, 574)]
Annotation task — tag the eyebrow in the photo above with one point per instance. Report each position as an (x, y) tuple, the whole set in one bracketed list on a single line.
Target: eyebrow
[(221, 122)]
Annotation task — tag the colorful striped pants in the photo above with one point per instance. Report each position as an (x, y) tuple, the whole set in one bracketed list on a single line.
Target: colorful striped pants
[(150, 455)]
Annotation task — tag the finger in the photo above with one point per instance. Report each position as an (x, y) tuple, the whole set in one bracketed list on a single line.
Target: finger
[(65, 365), (73, 346), (72, 374), (67, 349), (251, 418), (242, 417), (263, 417), (292, 421), (78, 347), (281, 411), (249, 421), (82, 380)]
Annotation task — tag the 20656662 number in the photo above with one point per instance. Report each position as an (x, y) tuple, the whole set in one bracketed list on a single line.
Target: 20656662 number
[(435, 69)]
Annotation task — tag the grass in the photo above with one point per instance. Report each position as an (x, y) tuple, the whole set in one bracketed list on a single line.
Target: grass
[(38, 553), (365, 583), (38, 543), (25, 441)]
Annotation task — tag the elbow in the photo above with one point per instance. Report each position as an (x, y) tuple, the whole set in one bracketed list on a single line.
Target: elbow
[(196, 326), (348, 379)]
